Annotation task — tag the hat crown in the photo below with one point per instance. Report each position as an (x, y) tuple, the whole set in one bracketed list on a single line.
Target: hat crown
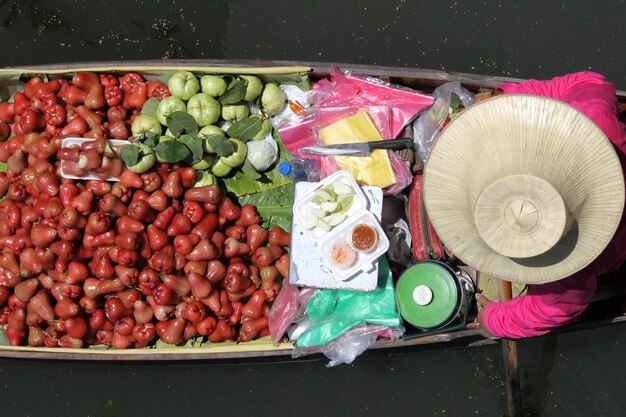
[(520, 216)]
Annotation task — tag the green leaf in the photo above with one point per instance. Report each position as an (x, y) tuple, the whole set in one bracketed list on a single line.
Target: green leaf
[(300, 79), (240, 183), (3, 168), (3, 339), (235, 93), (221, 145), (274, 205), (245, 129), (9, 85), (130, 155), (180, 123), (149, 138), (195, 146), (455, 101), (172, 151), (150, 106), (249, 170)]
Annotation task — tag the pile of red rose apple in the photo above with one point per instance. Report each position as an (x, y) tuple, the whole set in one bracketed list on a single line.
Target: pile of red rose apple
[(121, 264)]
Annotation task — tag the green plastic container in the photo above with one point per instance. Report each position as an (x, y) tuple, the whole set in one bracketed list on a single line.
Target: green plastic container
[(429, 295)]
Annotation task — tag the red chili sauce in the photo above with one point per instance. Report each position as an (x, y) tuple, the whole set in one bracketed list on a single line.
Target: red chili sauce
[(363, 237)]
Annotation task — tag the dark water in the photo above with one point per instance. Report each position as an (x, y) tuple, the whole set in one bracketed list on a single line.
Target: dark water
[(570, 374), (528, 39)]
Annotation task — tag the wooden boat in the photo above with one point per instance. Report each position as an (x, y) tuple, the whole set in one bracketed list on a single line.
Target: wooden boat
[(421, 80)]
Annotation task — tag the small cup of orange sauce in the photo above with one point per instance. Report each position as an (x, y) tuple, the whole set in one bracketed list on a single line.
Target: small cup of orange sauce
[(363, 237)]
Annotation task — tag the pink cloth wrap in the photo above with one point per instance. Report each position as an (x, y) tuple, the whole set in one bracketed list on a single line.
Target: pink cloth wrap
[(547, 306)]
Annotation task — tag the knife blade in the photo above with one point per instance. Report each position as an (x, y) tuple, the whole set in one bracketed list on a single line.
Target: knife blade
[(358, 148)]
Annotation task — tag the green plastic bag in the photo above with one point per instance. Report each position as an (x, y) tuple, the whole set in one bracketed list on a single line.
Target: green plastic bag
[(331, 313)]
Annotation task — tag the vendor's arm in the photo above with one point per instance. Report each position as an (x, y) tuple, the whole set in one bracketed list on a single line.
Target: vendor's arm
[(544, 308), (563, 87), (588, 92)]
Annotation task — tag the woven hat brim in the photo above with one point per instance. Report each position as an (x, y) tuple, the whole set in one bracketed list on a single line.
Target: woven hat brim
[(525, 135)]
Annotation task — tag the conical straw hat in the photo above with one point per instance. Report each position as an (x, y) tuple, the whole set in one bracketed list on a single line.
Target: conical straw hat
[(524, 188)]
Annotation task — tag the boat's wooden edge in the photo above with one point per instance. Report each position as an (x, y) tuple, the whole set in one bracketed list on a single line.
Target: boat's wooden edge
[(228, 351), (161, 63), (225, 351), (251, 352), (409, 76), (258, 66), (401, 75)]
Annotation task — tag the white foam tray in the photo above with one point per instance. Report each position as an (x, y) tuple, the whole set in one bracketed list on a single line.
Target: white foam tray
[(308, 268), (67, 142)]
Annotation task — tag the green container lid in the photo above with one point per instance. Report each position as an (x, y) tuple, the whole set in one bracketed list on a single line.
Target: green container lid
[(427, 294)]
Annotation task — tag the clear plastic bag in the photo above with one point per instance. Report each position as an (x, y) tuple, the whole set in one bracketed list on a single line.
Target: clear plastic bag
[(348, 346), (429, 122), (294, 95)]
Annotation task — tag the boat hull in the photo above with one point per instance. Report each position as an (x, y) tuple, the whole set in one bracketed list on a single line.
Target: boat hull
[(419, 79)]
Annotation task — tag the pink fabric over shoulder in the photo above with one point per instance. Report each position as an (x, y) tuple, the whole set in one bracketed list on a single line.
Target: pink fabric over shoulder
[(547, 306)]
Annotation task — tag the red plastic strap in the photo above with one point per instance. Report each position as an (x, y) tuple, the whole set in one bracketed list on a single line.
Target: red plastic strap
[(426, 244), (415, 219)]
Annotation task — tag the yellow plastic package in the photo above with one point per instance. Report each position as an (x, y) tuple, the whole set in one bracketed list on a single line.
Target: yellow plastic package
[(375, 169)]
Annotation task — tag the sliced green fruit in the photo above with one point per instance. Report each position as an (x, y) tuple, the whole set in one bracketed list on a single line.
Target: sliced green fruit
[(330, 206), (310, 220), (334, 219), (323, 225), (318, 200), (341, 188), (345, 201), (324, 195), (319, 213)]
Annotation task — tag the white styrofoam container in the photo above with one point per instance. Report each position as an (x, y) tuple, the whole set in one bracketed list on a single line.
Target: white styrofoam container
[(307, 266), (301, 204), (365, 261), (67, 142)]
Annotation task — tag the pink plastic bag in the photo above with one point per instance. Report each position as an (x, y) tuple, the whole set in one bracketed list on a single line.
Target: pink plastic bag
[(381, 116), (350, 89), (297, 134), (283, 311)]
